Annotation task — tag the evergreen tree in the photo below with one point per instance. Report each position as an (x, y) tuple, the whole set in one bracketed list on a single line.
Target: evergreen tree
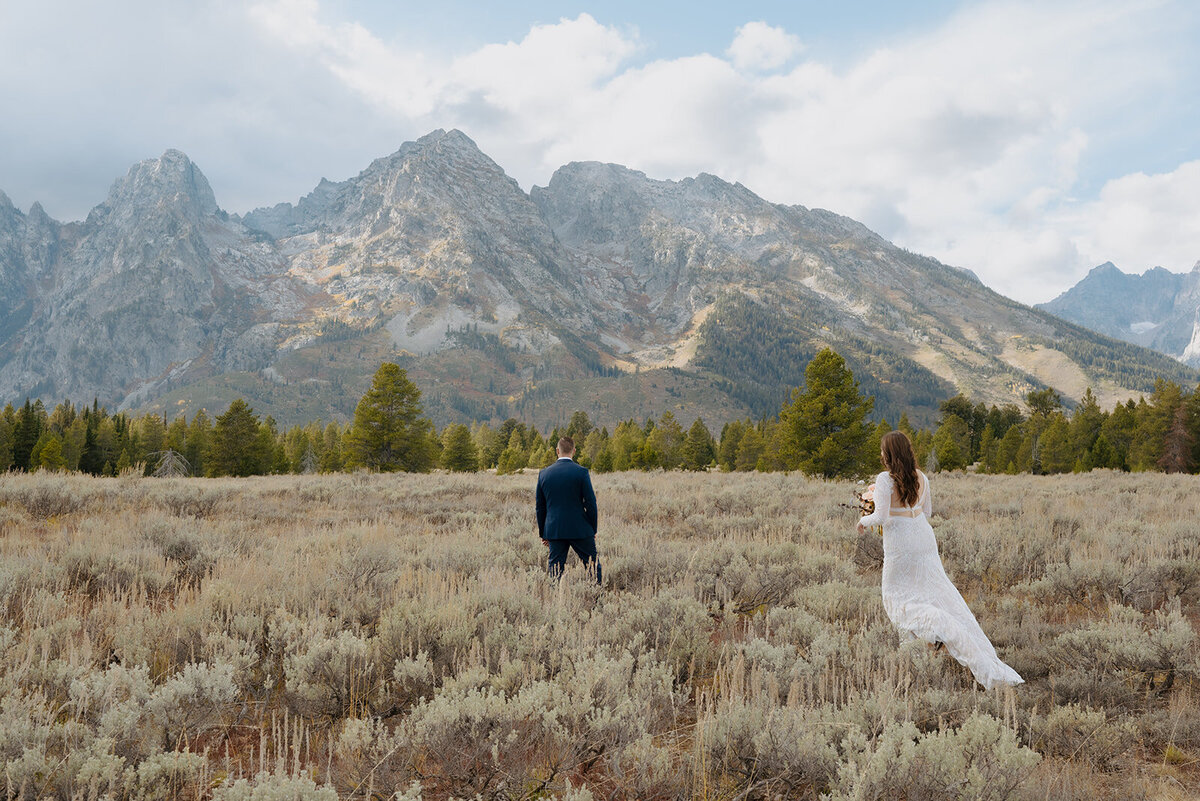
[(824, 426), (1102, 455), (91, 460), (196, 447), (234, 448), (6, 445), (667, 440), (485, 440), (514, 456), (1118, 431), (333, 458), (458, 449), (1008, 452), (952, 443), (731, 438), (595, 444), (1193, 427), (51, 457), (603, 463), (869, 461), (389, 432), (27, 431), (579, 427), (1054, 447), (698, 450), (627, 440), (491, 456), (1043, 402), (1154, 419), (1177, 444), (177, 433), (1085, 424), (750, 450), (988, 447)]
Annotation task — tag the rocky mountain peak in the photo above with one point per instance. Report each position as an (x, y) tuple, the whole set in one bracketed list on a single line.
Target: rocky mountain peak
[(170, 181)]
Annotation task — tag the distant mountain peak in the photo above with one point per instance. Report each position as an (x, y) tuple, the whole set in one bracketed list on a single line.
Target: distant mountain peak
[(172, 177)]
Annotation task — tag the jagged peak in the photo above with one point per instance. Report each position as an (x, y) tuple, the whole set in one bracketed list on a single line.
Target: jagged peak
[(1108, 268), (5, 203), (38, 213), (171, 175)]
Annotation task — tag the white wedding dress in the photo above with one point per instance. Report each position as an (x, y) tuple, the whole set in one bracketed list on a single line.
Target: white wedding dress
[(919, 597)]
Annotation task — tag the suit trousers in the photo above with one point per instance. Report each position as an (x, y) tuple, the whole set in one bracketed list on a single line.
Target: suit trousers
[(584, 548)]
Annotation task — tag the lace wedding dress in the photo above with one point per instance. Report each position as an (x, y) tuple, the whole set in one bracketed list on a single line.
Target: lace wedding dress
[(919, 597)]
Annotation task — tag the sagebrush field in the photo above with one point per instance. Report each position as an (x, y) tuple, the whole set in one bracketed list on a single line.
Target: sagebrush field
[(376, 636)]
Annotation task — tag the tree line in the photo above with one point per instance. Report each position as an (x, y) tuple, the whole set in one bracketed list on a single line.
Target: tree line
[(822, 430)]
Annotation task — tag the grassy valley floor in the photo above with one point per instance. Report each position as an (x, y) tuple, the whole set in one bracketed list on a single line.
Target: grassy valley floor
[(351, 636)]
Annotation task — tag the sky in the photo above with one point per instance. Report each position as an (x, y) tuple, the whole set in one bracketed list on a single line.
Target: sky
[(1026, 141)]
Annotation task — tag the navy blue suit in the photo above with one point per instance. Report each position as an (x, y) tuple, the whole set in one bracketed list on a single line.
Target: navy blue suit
[(566, 513)]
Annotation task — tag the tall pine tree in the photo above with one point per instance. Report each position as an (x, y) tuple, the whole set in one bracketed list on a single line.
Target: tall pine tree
[(824, 426), (389, 432)]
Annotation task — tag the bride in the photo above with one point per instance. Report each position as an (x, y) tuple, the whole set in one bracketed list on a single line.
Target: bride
[(917, 594)]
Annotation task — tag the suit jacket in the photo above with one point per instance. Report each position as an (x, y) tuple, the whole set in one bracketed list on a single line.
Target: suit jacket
[(566, 504)]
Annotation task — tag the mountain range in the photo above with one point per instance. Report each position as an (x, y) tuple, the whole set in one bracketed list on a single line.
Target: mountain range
[(1158, 309), (605, 291)]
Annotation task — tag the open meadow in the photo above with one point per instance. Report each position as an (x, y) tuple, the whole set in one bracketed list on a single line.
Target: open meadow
[(377, 636)]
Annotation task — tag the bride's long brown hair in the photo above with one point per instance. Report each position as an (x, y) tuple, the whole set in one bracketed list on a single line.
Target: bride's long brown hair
[(899, 460)]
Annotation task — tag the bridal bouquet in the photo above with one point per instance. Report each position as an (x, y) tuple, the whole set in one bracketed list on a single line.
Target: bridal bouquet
[(866, 505)]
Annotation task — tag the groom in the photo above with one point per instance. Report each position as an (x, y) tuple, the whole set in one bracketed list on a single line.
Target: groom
[(566, 510)]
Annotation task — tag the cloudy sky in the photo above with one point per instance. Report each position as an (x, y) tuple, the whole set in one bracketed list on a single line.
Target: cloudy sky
[(1028, 141)]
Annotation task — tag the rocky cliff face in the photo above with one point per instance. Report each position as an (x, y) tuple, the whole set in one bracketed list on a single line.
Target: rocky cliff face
[(156, 284), (1158, 309), (604, 290)]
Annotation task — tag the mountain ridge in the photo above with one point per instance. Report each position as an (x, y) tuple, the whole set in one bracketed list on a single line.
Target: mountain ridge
[(604, 290), (1158, 309)]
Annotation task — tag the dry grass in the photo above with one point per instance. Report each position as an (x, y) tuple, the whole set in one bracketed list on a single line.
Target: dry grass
[(356, 636)]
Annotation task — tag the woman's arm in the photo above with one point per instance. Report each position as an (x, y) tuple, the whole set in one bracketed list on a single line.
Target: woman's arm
[(927, 504), (883, 502)]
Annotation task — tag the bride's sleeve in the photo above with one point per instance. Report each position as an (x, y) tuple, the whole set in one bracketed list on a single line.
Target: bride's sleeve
[(883, 501), (927, 504)]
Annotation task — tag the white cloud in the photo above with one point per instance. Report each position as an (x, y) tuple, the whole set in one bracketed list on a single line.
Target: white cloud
[(966, 142), (759, 47), (1141, 221)]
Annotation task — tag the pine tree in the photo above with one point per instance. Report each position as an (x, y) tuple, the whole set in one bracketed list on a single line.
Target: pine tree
[(458, 449), (667, 441), (388, 432), (51, 457), (1055, 448), (595, 444), (196, 447), (513, 457), (952, 443), (750, 450), (1086, 422), (824, 425), (234, 448), (6, 445), (698, 451), (579, 427), (731, 438), (1177, 444), (332, 455)]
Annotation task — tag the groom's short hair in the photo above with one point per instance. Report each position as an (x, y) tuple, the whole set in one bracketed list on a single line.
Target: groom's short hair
[(566, 445)]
